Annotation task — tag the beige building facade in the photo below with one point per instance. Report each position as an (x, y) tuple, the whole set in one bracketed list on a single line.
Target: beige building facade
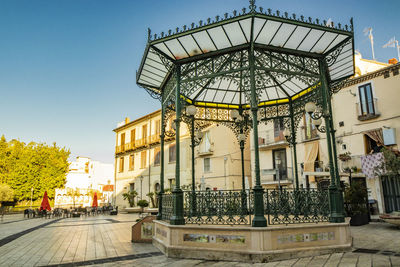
[(364, 107), (137, 158)]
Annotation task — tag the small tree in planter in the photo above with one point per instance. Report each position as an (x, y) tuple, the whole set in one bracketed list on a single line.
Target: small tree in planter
[(143, 204), (355, 196), (130, 196)]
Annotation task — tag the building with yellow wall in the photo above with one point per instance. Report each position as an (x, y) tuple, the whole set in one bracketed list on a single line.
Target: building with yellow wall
[(364, 108), (137, 158)]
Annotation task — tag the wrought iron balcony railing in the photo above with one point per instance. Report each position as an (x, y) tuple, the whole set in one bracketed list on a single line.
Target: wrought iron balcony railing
[(309, 134), (155, 138), (271, 138), (271, 176), (124, 148), (141, 142)]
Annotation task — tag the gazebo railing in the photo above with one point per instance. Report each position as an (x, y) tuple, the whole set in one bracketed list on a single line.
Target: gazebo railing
[(293, 206), (217, 207), (235, 207)]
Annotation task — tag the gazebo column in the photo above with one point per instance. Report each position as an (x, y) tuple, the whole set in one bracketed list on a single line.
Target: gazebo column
[(162, 135), (294, 143), (334, 148), (335, 162), (177, 193), (259, 218), (335, 203)]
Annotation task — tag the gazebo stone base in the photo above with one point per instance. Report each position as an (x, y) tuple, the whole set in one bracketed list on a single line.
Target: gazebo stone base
[(251, 244)]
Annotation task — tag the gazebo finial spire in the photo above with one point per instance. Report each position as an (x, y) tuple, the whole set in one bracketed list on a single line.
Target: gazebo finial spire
[(252, 5), (148, 34)]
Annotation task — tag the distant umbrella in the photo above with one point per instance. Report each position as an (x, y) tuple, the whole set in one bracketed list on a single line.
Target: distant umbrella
[(95, 200), (45, 202)]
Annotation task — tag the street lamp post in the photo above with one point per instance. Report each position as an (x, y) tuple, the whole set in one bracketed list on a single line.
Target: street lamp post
[(141, 186), (278, 174), (242, 121), (196, 138), (336, 196)]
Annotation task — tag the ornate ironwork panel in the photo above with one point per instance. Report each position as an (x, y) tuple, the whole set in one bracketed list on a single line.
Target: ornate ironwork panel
[(217, 207), (167, 206), (290, 206)]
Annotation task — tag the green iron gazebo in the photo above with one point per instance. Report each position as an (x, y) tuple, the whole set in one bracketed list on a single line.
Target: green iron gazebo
[(240, 70)]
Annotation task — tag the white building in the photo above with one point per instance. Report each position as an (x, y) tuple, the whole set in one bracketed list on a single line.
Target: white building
[(89, 174), (86, 176)]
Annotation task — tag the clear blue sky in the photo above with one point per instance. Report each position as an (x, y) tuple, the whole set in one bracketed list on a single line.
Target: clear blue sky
[(67, 67)]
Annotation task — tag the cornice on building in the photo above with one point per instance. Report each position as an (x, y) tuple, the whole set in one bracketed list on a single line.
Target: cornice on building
[(139, 120), (366, 77)]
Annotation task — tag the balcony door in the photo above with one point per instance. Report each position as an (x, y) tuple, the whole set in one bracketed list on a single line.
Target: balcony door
[(144, 132), (278, 130), (133, 136), (280, 163), (122, 139), (366, 99)]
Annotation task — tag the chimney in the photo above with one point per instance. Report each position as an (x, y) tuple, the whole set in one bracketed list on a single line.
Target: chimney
[(126, 120), (393, 61)]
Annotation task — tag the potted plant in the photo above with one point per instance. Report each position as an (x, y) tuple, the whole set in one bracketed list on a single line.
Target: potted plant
[(355, 197), (130, 196), (143, 204), (345, 156)]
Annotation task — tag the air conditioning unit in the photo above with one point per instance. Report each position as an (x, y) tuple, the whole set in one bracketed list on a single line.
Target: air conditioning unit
[(389, 136)]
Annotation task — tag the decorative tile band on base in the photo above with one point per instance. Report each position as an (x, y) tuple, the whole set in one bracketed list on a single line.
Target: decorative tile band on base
[(249, 244), (203, 238)]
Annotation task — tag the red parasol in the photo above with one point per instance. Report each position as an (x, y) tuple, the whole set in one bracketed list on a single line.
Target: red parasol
[(95, 200), (45, 202)]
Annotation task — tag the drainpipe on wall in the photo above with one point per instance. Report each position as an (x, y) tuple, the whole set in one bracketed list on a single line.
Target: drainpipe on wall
[(149, 154)]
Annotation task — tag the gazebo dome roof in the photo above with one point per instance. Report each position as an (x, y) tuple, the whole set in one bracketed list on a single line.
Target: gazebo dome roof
[(287, 48)]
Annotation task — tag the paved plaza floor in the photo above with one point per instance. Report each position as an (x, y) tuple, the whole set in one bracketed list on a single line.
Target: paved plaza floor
[(106, 241)]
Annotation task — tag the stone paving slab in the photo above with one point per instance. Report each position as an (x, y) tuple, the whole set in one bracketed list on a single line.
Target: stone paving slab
[(105, 241)]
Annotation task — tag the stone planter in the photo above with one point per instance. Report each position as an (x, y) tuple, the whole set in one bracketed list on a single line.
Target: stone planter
[(393, 218)]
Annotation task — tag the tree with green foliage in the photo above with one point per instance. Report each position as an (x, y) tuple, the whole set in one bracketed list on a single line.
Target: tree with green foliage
[(390, 165), (143, 204), (6, 195), (152, 197), (130, 196), (36, 166)]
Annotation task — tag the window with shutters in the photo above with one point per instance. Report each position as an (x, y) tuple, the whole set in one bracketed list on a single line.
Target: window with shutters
[(121, 164), (172, 153), (207, 164), (157, 156), (366, 99), (131, 162), (143, 157)]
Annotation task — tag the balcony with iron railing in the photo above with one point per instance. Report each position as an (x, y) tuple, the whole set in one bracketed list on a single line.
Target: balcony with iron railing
[(275, 177), (124, 148), (270, 139), (309, 134), (155, 138), (368, 110), (141, 142)]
